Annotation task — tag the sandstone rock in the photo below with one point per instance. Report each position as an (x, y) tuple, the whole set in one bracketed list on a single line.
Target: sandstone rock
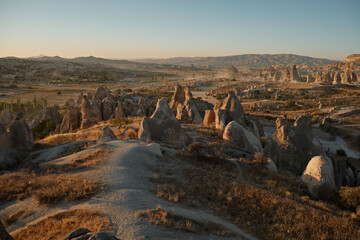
[(294, 75), (209, 117), (108, 110), (295, 144), (202, 106), (71, 120), (119, 111), (232, 70), (233, 108), (5, 118), (107, 135), (183, 105), (325, 125), (319, 176), (86, 234), (4, 235), (241, 137), (20, 134), (327, 78), (161, 126), (90, 112), (309, 79), (337, 79), (78, 232), (220, 118), (102, 93), (51, 115)]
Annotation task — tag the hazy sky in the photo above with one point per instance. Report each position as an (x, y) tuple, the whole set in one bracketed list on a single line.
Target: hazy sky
[(169, 28)]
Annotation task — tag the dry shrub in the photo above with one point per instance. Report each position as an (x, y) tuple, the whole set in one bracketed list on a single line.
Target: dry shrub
[(130, 133), (208, 153), (350, 197), (16, 216), (159, 216), (260, 157), (170, 192), (263, 140), (58, 139), (57, 226), (263, 212), (47, 189)]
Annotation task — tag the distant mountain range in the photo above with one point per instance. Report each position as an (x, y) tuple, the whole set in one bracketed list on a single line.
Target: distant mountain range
[(244, 61)]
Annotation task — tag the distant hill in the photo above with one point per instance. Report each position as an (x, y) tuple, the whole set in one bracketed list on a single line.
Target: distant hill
[(244, 61), (352, 61)]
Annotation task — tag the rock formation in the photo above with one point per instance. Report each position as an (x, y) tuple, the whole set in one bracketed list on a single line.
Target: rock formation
[(295, 144), (71, 120), (231, 110), (318, 77), (337, 79), (183, 105), (309, 78), (326, 78), (241, 137), (5, 118), (319, 176), (106, 135), (209, 117), (276, 77), (20, 134), (346, 78), (285, 76), (232, 70), (84, 233), (294, 75), (161, 126), (51, 115), (90, 112)]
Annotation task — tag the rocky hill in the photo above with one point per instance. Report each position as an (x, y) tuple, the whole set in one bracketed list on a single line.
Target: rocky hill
[(352, 61), (245, 61)]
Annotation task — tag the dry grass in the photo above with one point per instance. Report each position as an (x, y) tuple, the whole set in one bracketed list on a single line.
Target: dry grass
[(131, 133), (47, 189), (57, 226), (16, 216), (260, 157), (58, 139), (159, 216)]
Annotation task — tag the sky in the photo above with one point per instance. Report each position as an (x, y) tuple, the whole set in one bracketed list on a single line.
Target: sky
[(132, 29)]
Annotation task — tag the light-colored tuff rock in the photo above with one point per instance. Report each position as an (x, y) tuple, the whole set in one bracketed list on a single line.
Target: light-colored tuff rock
[(230, 110), (296, 144), (242, 137), (319, 176), (102, 93), (318, 77), (285, 76), (276, 77), (346, 78), (51, 115), (119, 112), (337, 79), (326, 78), (107, 135), (209, 117), (202, 106), (90, 112), (4, 235), (161, 126), (309, 79), (183, 105), (5, 118), (20, 134), (232, 70), (71, 120), (294, 75)]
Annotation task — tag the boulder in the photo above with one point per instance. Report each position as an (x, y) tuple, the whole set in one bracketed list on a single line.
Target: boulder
[(107, 135), (209, 117), (202, 106), (296, 144), (71, 120), (5, 118), (221, 118), (4, 235), (34, 122), (183, 105), (242, 137), (319, 176), (161, 126), (86, 234), (51, 115)]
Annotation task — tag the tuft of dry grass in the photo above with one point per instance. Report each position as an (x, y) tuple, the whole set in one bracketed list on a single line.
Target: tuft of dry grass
[(16, 216), (47, 189), (130, 133), (160, 216), (170, 192), (62, 223), (260, 157), (58, 139)]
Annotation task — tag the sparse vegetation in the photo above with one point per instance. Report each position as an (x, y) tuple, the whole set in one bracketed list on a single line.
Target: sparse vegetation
[(56, 226), (47, 189)]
